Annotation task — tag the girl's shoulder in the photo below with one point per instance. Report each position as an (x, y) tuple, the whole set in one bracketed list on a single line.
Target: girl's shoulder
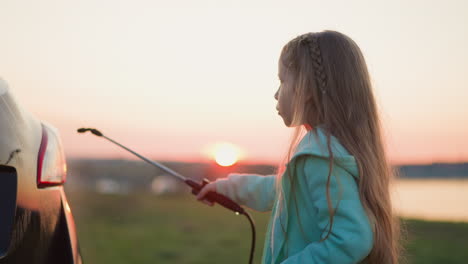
[(314, 142), (312, 150)]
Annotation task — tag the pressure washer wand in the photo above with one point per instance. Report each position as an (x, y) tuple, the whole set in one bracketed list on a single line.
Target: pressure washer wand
[(196, 187)]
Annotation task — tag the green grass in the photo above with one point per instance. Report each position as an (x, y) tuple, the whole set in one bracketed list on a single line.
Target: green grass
[(436, 242), (145, 228)]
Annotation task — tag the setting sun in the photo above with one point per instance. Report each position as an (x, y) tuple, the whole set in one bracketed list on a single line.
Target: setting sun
[(226, 154)]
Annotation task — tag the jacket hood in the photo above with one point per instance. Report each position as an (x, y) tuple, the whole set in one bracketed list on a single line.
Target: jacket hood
[(314, 143)]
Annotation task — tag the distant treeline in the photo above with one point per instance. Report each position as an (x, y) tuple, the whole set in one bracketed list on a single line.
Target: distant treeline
[(138, 175), (134, 170), (434, 170)]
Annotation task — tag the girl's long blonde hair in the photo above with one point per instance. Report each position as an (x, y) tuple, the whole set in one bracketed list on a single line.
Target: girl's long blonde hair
[(333, 89)]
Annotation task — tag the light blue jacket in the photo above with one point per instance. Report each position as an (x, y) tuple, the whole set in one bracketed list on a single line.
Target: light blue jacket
[(351, 238)]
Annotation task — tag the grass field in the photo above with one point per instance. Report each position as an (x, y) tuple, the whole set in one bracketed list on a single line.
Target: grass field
[(145, 228)]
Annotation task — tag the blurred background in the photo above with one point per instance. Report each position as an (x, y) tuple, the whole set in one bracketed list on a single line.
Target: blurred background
[(191, 84)]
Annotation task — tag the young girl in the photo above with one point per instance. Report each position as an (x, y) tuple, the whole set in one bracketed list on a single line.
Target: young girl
[(336, 176)]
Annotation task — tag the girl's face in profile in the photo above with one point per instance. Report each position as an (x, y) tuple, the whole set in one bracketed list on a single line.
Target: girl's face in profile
[(285, 94)]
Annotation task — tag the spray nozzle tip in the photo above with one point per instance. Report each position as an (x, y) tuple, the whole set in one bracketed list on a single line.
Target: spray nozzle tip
[(93, 130)]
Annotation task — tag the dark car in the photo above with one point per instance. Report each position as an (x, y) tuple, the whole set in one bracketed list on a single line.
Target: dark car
[(36, 224)]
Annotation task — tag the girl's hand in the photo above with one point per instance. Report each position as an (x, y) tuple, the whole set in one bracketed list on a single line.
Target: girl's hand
[(210, 187)]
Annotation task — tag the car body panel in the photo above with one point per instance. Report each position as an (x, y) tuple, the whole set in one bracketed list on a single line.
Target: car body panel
[(40, 213)]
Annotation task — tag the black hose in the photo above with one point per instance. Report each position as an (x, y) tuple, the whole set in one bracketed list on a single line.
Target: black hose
[(252, 247)]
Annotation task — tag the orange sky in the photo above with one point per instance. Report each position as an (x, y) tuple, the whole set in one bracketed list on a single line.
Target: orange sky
[(170, 79)]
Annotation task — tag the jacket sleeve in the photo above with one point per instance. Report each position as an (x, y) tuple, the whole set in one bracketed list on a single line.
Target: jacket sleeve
[(252, 190), (351, 236)]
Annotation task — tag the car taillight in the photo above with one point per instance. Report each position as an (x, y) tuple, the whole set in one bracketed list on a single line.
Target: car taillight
[(51, 163)]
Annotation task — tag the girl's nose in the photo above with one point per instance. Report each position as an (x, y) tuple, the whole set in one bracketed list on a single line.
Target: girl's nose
[(276, 94)]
